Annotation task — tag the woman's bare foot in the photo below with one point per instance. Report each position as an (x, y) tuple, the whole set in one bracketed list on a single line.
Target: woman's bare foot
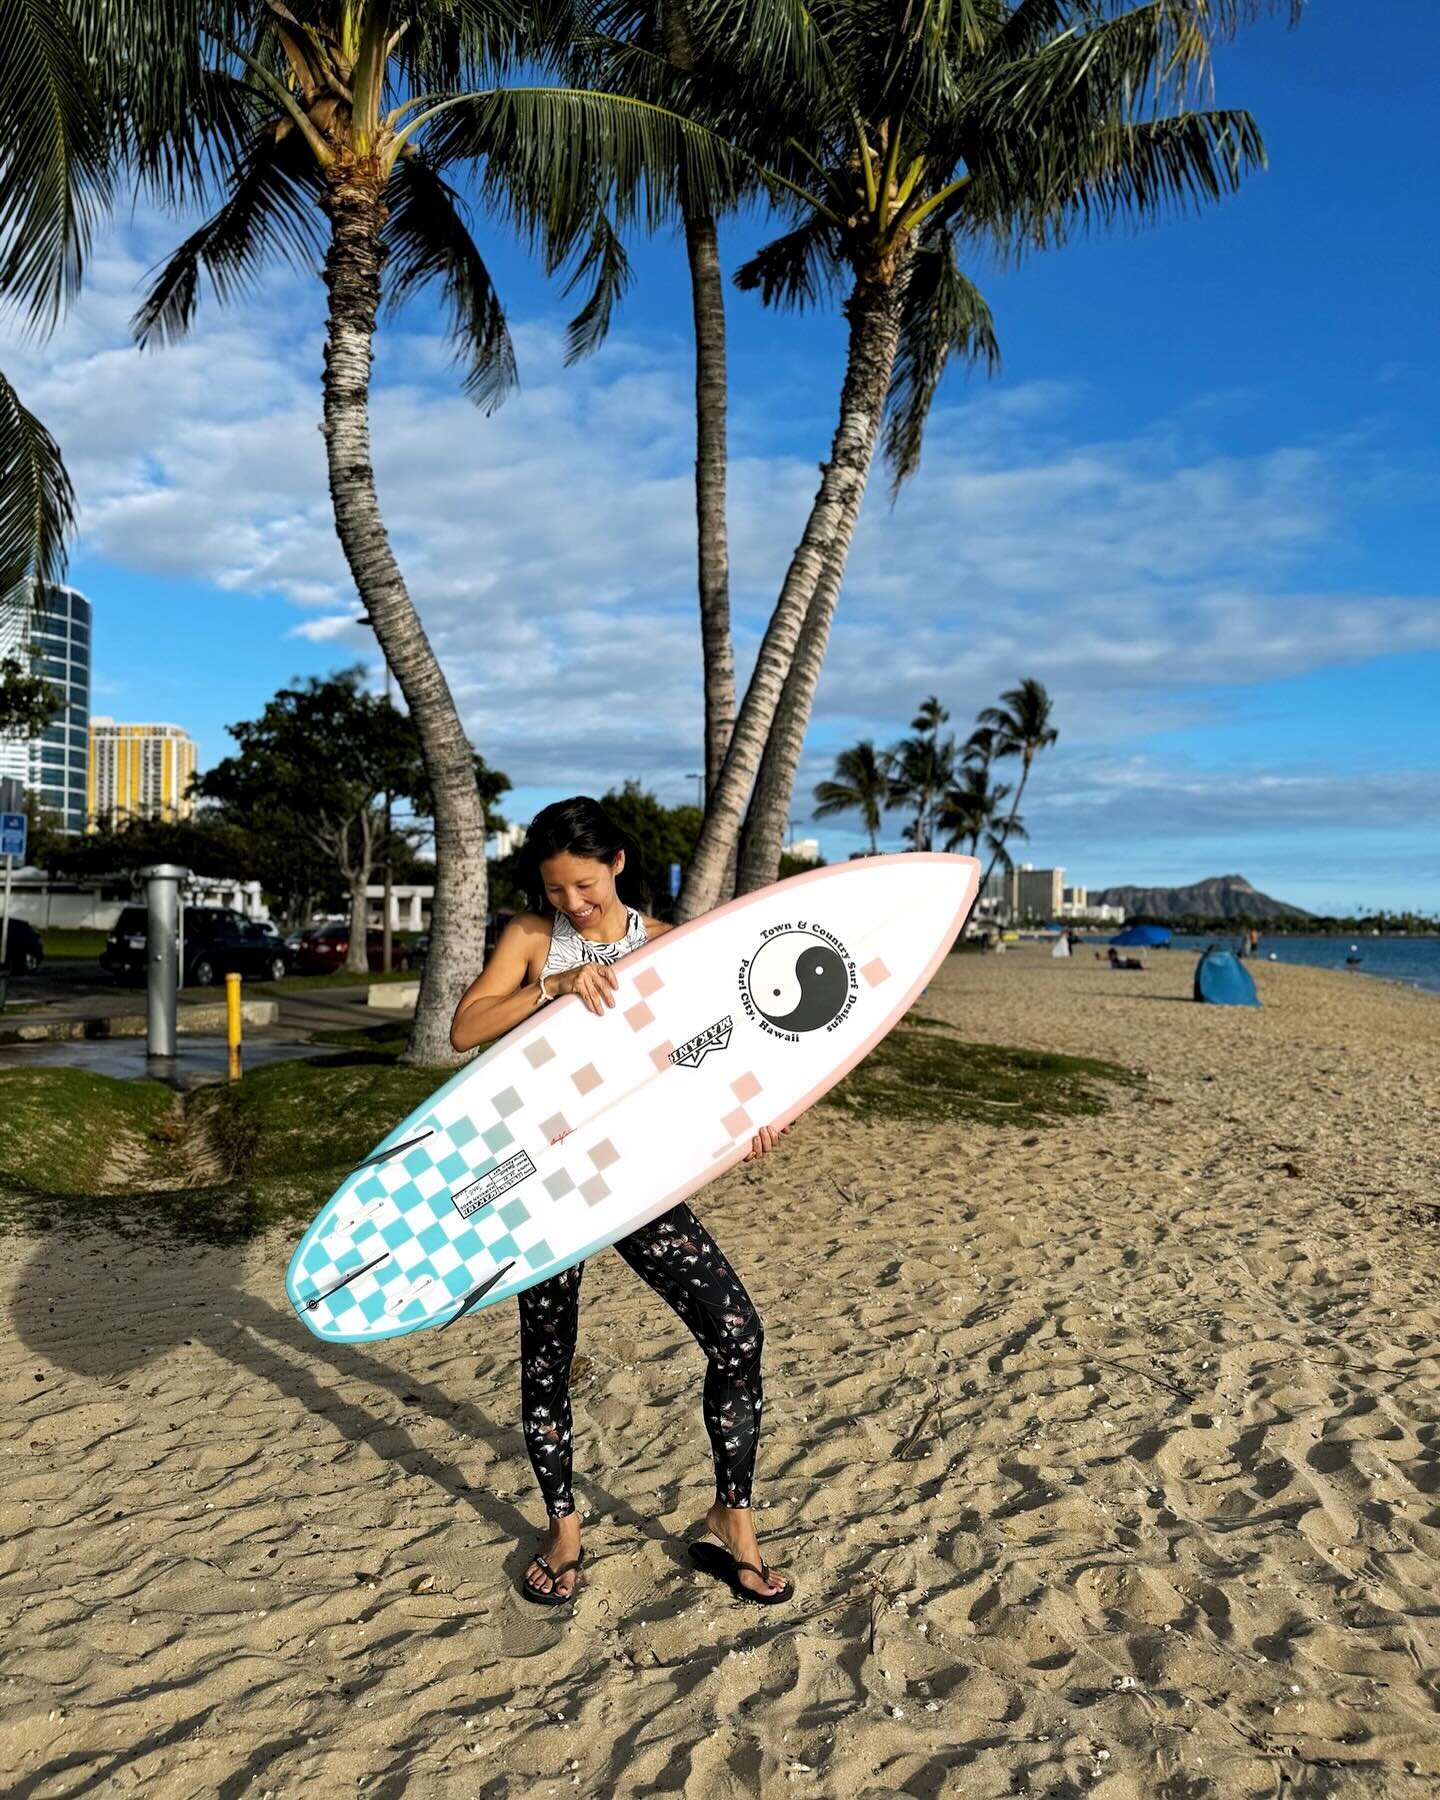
[(562, 1545), (735, 1528)]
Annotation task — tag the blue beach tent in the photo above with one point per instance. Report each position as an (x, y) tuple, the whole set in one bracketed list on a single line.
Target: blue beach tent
[(1144, 937), (1223, 980)]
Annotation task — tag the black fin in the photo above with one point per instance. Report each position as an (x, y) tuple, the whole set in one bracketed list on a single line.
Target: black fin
[(345, 1280), (394, 1150), (476, 1295)]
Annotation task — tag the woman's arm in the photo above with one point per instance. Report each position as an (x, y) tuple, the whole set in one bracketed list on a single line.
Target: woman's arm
[(505, 991)]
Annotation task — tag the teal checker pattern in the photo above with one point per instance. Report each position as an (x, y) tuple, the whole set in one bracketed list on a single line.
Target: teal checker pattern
[(428, 1242)]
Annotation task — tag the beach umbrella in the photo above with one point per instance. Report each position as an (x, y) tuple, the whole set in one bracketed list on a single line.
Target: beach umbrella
[(1144, 937)]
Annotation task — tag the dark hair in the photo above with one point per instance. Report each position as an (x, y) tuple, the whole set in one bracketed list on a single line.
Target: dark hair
[(580, 827)]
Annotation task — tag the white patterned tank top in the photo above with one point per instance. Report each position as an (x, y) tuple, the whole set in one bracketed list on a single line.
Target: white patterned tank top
[(568, 950)]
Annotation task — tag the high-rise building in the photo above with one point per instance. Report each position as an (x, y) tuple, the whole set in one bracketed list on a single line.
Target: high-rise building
[(51, 633), (1038, 892), (139, 772)]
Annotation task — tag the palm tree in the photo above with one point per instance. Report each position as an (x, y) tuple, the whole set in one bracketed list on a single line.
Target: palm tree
[(969, 809), (351, 112), (923, 767), (82, 83), (915, 132), (646, 51), (54, 181), (861, 783), (1022, 728)]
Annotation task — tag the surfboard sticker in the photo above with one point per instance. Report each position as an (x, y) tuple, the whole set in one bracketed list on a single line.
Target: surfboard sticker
[(715, 1037), (485, 1188), (573, 1130)]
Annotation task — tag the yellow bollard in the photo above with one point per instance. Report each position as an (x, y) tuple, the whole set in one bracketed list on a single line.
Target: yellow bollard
[(232, 1023)]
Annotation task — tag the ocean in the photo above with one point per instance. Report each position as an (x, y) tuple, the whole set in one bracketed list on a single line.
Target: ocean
[(1413, 960)]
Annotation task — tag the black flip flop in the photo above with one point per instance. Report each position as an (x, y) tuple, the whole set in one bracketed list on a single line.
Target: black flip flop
[(548, 1596), (719, 1563)]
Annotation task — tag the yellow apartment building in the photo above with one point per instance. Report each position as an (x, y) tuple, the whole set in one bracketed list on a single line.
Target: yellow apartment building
[(139, 771)]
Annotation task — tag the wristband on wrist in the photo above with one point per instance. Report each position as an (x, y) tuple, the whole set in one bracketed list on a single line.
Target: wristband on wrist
[(544, 997)]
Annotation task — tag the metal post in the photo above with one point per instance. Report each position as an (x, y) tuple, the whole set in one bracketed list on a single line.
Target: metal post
[(385, 944), (162, 893), (5, 913), (232, 1022)]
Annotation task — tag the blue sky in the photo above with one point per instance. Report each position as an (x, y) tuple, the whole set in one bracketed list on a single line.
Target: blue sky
[(1198, 502)]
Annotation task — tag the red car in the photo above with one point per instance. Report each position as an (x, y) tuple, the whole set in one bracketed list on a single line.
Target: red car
[(325, 949)]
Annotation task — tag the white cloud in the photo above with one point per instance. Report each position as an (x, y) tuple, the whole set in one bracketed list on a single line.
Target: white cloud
[(550, 547)]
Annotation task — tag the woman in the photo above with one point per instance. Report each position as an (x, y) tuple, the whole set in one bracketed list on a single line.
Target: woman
[(576, 857)]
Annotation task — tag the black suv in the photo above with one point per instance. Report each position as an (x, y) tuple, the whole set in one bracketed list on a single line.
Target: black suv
[(217, 941)]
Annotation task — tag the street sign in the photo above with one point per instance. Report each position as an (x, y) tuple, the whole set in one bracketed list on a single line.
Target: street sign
[(12, 835)]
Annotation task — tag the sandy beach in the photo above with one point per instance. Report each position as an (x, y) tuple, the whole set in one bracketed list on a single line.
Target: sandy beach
[(1103, 1457)]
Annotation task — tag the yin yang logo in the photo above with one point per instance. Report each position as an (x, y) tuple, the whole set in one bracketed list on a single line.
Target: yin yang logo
[(797, 982)]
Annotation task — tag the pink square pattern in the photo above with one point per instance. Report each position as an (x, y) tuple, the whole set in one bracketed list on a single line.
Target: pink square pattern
[(738, 1122), (604, 1153), (875, 972), (587, 1078), (647, 982), (638, 1017), (538, 1054), (746, 1087), (660, 1055)]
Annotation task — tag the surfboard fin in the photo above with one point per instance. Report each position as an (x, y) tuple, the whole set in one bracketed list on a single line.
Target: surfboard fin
[(476, 1295), (314, 1300), (394, 1150)]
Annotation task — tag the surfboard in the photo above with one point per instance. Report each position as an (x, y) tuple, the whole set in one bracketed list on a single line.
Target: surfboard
[(572, 1129)]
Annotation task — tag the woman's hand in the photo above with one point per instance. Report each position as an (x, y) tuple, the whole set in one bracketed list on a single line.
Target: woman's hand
[(593, 984), (765, 1139)]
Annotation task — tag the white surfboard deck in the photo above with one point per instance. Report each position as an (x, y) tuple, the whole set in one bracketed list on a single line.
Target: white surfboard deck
[(572, 1130)]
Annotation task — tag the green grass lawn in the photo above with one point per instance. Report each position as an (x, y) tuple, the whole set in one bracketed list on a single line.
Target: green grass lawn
[(926, 1072), (227, 1162), (72, 944)]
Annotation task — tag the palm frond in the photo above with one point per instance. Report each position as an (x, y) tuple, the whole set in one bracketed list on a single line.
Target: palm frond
[(1144, 169), (54, 174), (37, 502), (427, 239), (177, 115), (798, 269), (538, 150), (271, 212), (794, 48), (943, 315), (604, 262)]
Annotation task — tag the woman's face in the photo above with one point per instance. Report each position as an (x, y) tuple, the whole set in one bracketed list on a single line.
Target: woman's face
[(581, 887)]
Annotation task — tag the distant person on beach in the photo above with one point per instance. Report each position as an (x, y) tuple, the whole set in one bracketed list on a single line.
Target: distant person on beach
[(575, 856), (1254, 941)]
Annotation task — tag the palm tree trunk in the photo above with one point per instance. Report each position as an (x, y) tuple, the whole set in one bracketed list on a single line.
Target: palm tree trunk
[(763, 837), (873, 310), (1014, 813), (457, 932), (707, 295)]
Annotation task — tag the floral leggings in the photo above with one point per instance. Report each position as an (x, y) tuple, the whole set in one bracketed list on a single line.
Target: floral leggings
[(682, 1262)]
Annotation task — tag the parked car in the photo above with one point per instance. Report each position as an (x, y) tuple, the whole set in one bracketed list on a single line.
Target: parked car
[(218, 942), (325, 949), (24, 951)]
